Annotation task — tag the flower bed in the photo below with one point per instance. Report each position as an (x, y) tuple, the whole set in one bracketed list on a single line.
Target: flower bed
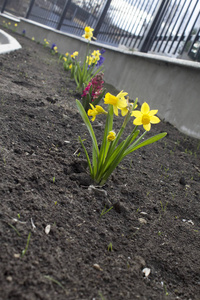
[(62, 238)]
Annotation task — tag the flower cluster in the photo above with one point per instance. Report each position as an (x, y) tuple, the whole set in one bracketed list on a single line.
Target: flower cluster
[(97, 86), (54, 49), (88, 35), (46, 43), (94, 91), (113, 148), (84, 71)]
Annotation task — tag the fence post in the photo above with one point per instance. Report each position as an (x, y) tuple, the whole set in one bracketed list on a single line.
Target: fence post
[(154, 27), (101, 18), (29, 9), (66, 6), (4, 6)]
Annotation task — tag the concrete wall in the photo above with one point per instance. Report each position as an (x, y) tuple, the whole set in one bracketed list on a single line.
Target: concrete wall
[(170, 85)]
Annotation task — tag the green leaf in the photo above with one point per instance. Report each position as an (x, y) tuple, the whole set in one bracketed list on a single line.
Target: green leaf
[(145, 143), (87, 156), (89, 126)]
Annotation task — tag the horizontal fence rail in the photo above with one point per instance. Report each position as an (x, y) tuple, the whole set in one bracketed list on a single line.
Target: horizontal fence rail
[(168, 27)]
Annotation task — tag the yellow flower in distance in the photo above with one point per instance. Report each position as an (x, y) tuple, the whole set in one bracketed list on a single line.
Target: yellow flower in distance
[(67, 54), (88, 33), (145, 117), (96, 54), (64, 58), (74, 54), (16, 24), (89, 60), (97, 110), (118, 102), (70, 66), (111, 136)]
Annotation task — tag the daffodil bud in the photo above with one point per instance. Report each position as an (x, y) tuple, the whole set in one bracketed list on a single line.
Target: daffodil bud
[(111, 136)]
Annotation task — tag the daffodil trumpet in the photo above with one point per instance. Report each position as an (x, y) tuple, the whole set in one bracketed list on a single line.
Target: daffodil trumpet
[(112, 151)]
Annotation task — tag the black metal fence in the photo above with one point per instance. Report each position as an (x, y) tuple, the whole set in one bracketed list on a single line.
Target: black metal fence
[(168, 27)]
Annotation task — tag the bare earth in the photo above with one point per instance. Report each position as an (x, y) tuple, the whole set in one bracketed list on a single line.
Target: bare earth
[(154, 222)]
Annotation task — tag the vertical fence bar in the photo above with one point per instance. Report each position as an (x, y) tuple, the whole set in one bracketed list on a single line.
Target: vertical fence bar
[(4, 6), (101, 18), (30, 8), (148, 39), (62, 17)]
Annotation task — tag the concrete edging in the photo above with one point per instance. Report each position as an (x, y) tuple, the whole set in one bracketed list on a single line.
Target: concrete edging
[(8, 43), (167, 84)]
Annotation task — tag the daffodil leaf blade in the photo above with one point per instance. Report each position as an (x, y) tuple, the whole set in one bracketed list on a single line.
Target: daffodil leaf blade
[(88, 125), (149, 141), (105, 144), (87, 156)]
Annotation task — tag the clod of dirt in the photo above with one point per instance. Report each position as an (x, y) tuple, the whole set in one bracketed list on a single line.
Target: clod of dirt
[(81, 178), (182, 181)]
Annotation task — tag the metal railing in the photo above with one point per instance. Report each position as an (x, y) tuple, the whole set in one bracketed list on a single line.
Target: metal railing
[(168, 27)]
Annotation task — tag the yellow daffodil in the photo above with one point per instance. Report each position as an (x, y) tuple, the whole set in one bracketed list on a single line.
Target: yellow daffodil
[(97, 110), (89, 60), (70, 66), (16, 24), (129, 106), (88, 33), (118, 102), (74, 54), (96, 53), (94, 59), (111, 136), (33, 39), (64, 58), (145, 117), (67, 54)]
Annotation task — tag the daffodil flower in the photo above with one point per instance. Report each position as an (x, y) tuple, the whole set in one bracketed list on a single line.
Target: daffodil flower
[(111, 136), (97, 110), (96, 54), (88, 33), (89, 60), (113, 149), (74, 54), (145, 117), (118, 102)]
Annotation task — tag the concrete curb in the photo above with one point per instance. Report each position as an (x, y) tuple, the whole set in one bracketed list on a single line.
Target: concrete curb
[(8, 43)]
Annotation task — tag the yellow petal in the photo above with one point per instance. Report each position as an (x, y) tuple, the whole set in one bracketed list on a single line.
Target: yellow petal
[(136, 114), (122, 94), (147, 127), (115, 110), (153, 112), (138, 121), (154, 120), (145, 108), (122, 103), (124, 111)]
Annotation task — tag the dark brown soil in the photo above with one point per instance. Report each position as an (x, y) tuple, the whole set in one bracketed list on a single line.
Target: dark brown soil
[(155, 194)]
